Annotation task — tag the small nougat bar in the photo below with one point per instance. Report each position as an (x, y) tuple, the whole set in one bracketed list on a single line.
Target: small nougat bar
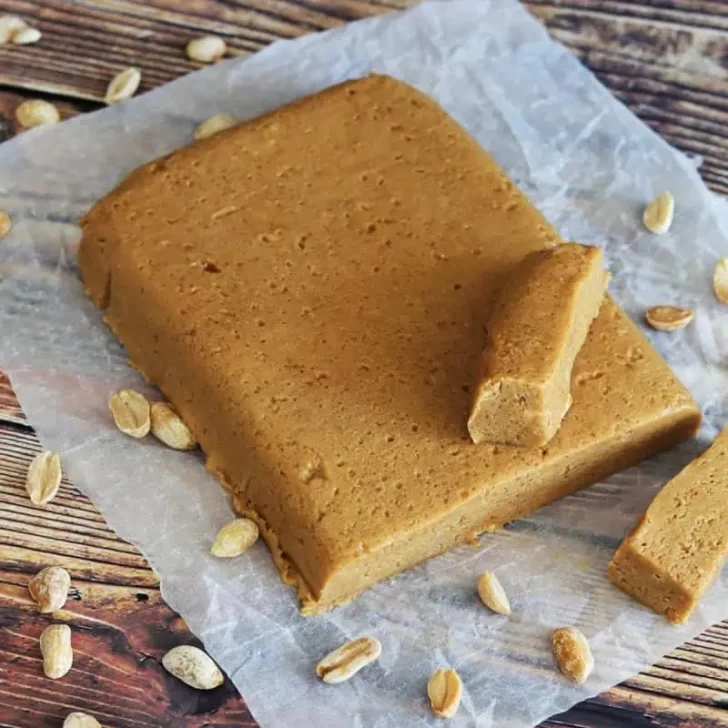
[(680, 544), (538, 325), (309, 289)]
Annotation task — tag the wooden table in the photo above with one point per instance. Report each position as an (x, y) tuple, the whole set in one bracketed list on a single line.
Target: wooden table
[(666, 59)]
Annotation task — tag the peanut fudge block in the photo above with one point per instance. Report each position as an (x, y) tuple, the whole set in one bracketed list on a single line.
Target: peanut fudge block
[(309, 290), (679, 546), (539, 323)]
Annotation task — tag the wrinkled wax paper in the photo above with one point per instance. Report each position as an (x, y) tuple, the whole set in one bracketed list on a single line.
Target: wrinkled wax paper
[(590, 165)]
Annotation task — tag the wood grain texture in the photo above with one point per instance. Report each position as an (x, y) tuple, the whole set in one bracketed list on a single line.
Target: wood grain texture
[(115, 34), (9, 408), (666, 59), (121, 626)]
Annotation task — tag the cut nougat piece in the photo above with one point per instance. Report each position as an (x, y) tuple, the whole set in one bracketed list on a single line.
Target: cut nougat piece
[(538, 325), (680, 544)]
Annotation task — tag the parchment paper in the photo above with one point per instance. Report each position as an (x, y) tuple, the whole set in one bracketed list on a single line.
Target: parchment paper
[(590, 165)]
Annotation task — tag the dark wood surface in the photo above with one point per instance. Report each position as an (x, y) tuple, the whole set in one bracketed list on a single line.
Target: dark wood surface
[(666, 59)]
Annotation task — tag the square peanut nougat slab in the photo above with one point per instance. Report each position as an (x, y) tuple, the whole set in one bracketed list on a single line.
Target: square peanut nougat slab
[(310, 290)]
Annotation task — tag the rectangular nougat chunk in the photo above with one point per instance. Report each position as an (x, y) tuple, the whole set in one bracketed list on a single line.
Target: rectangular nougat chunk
[(309, 289)]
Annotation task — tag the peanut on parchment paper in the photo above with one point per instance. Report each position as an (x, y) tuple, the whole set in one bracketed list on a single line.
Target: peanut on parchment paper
[(669, 318), (572, 653), (234, 538), (445, 689), (169, 427), (6, 223), (720, 280), (658, 214), (213, 125), (492, 593), (131, 412), (10, 26), (345, 661)]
